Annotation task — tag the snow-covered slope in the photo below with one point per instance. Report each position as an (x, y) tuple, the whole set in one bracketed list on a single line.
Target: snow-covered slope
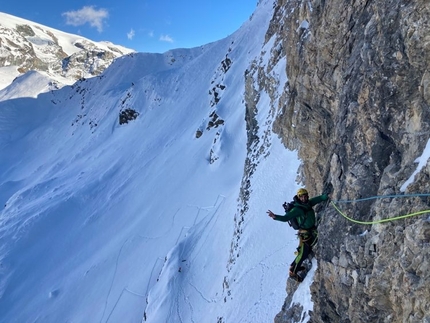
[(30, 84), (121, 223), (26, 46)]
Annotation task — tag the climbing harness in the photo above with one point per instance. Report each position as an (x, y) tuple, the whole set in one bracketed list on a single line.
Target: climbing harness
[(379, 197)]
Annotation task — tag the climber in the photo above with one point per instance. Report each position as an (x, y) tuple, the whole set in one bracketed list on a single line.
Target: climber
[(307, 232)]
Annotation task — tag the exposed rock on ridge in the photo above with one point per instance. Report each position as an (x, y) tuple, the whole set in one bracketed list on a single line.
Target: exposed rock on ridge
[(31, 46), (358, 111)]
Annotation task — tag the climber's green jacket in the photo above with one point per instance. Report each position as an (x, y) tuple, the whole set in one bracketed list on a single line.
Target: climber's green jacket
[(303, 211)]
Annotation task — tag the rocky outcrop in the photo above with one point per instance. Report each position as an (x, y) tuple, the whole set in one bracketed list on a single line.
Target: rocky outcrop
[(358, 112)]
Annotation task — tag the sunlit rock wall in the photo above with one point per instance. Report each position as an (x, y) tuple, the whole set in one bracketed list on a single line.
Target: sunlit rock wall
[(357, 109)]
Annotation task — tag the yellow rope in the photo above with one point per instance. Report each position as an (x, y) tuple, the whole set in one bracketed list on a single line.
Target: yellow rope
[(379, 221)]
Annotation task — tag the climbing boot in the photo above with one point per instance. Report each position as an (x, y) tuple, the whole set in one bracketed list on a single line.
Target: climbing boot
[(296, 269), (299, 276)]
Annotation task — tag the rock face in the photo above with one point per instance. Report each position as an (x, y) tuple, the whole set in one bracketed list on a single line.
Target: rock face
[(358, 111)]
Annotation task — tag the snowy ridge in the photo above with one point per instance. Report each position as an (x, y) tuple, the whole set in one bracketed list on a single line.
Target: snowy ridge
[(147, 221), (66, 41), (62, 56)]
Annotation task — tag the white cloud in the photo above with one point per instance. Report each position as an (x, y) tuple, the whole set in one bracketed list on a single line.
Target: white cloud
[(130, 34), (151, 34), (88, 14), (166, 38)]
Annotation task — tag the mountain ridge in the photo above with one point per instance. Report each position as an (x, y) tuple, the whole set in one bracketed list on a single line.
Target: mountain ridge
[(62, 56)]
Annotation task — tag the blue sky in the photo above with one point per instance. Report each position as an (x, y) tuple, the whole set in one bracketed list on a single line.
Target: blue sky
[(146, 26)]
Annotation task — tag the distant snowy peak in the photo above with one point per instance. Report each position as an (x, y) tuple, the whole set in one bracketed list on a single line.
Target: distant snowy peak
[(31, 46)]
